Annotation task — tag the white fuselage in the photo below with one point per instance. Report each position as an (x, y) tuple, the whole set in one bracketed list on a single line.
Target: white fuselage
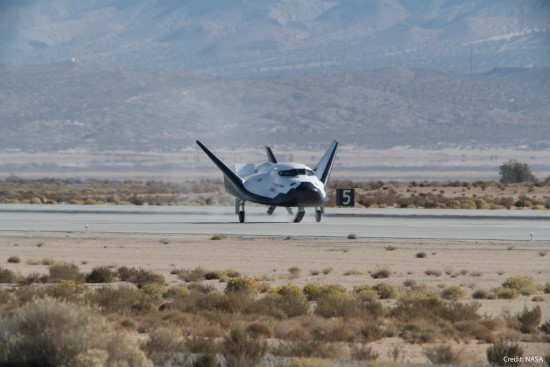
[(273, 179)]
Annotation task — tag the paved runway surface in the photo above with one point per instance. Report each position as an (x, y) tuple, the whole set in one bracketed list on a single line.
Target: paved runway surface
[(391, 223)]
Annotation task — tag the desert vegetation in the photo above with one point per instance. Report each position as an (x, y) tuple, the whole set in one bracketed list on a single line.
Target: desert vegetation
[(442, 195), (222, 317)]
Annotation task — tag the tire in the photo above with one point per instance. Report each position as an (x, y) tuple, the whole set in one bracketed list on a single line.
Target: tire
[(241, 216)]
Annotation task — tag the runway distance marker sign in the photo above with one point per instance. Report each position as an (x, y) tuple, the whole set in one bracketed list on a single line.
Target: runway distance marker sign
[(345, 197)]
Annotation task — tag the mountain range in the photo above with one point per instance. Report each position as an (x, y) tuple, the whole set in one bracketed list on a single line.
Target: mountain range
[(73, 106), (243, 37)]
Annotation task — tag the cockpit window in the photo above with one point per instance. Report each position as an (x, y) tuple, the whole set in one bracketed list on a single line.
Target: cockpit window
[(296, 172)]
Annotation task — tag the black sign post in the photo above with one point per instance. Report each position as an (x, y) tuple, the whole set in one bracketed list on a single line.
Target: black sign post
[(345, 197)]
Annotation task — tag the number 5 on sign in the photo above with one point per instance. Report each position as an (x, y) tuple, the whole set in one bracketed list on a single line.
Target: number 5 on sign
[(345, 197)]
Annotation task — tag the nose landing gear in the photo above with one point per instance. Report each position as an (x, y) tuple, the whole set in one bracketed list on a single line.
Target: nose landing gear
[(318, 214), (300, 215)]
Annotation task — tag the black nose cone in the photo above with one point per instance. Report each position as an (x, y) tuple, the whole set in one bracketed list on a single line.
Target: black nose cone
[(308, 195)]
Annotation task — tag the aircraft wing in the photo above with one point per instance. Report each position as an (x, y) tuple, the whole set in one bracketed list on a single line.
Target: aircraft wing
[(229, 175)]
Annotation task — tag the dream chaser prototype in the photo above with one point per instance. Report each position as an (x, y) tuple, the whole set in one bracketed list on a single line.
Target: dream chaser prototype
[(278, 184)]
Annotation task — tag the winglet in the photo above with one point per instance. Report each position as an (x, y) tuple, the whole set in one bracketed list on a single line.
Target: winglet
[(270, 155), (227, 172), (323, 168)]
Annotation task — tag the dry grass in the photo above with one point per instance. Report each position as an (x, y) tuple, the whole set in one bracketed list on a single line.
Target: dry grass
[(322, 319)]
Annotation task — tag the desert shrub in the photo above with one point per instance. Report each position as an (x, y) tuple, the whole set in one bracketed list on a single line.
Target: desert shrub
[(218, 237), (294, 272), (309, 348), (65, 290), (240, 350), (243, 284), (313, 291), (529, 319), (379, 273), (206, 360), (338, 305), (442, 354), (363, 353), (197, 344), (311, 362), (7, 276), (327, 271), (419, 332), (417, 307), (386, 290), (507, 293), (14, 259), (289, 299), (47, 261), (54, 333), (433, 308), (231, 273), (431, 272), (212, 275), (545, 327), (453, 293), (352, 236), (352, 272), (65, 271), (162, 344), (259, 329), (33, 278), (421, 255), (237, 302), (497, 352), (139, 277), (524, 284), (121, 299), (480, 294), (410, 283), (546, 288), (475, 329), (176, 291), (153, 290), (100, 274), (458, 311), (192, 275), (372, 332), (365, 292)]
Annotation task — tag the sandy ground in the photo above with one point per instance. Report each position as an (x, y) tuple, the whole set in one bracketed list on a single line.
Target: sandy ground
[(472, 264)]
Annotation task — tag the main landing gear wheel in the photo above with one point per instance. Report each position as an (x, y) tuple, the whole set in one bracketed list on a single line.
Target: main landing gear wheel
[(318, 214), (270, 210), (300, 215), (239, 208)]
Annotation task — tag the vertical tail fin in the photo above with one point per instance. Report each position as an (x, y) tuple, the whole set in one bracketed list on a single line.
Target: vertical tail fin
[(270, 155), (323, 168)]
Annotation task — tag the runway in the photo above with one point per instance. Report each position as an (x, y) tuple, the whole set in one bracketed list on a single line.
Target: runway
[(374, 223)]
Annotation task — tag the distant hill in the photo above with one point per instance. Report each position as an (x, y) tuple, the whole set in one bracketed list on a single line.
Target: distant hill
[(104, 108), (241, 37)]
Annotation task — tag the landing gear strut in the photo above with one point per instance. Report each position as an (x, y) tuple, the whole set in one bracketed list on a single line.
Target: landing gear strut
[(239, 209), (270, 210), (300, 215), (318, 214)]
